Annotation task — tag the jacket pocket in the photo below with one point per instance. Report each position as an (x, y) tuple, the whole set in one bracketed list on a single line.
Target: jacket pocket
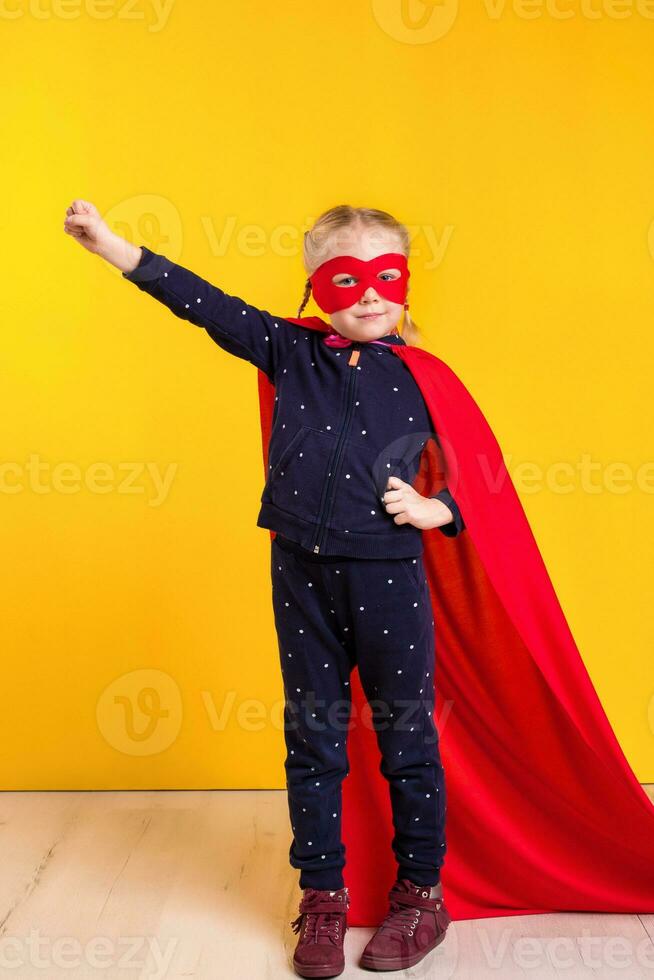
[(288, 451), (296, 483)]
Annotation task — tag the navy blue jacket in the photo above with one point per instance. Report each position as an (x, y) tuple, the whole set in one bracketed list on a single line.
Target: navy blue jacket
[(338, 431)]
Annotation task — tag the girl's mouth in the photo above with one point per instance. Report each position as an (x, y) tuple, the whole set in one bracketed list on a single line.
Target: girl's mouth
[(370, 316)]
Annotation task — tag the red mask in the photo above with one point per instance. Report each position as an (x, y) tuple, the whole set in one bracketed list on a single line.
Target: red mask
[(331, 297)]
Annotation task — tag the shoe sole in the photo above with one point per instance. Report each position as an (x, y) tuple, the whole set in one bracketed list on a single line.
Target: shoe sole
[(317, 971), (370, 962)]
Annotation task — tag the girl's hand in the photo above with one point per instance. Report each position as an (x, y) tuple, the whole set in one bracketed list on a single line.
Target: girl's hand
[(85, 224), (410, 507)]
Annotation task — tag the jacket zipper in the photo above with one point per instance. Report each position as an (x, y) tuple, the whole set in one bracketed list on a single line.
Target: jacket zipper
[(327, 498)]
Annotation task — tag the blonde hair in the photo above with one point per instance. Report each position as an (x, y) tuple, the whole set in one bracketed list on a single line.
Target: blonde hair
[(345, 217)]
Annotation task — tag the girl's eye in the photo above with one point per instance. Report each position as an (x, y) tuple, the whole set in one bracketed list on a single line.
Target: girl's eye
[(348, 280)]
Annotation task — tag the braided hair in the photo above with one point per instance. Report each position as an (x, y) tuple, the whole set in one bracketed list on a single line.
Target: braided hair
[(305, 298)]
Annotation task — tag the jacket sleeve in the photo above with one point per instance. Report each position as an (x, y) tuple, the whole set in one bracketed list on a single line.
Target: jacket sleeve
[(240, 329), (452, 528)]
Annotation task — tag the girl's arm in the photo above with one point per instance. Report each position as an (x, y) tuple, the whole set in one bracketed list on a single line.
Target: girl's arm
[(236, 326), (413, 465), (239, 328), (457, 524)]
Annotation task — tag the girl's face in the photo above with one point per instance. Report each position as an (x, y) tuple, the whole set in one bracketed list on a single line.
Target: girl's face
[(373, 315)]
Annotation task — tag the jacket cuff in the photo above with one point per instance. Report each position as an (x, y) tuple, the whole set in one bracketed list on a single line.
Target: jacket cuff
[(150, 268), (452, 528)]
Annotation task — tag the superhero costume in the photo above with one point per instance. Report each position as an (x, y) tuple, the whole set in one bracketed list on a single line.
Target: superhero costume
[(544, 810)]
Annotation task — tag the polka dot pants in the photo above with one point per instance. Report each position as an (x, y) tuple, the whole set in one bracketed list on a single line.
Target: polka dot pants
[(375, 614)]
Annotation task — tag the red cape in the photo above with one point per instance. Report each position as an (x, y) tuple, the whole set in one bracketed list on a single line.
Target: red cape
[(544, 812)]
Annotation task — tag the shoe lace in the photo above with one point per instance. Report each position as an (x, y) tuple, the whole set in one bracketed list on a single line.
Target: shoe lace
[(319, 926), (401, 919), (321, 923)]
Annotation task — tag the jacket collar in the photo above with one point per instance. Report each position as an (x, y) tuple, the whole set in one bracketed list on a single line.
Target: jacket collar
[(392, 338)]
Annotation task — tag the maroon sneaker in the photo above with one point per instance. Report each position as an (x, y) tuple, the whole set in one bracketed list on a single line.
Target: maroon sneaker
[(322, 924), (415, 924)]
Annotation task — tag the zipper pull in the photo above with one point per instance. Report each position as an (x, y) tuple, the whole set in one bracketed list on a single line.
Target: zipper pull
[(354, 358)]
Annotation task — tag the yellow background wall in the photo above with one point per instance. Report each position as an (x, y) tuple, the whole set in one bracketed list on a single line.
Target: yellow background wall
[(515, 140)]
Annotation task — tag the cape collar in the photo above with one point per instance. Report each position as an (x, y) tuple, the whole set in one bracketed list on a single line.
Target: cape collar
[(334, 339)]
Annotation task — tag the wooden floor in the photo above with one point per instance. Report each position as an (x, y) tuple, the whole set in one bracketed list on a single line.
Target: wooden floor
[(147, 885)]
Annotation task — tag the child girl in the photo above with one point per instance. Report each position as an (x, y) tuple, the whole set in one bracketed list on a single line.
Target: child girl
[(348, 582)]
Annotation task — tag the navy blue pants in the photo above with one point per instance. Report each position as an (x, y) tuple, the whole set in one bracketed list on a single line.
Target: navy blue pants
[(376, 614)]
